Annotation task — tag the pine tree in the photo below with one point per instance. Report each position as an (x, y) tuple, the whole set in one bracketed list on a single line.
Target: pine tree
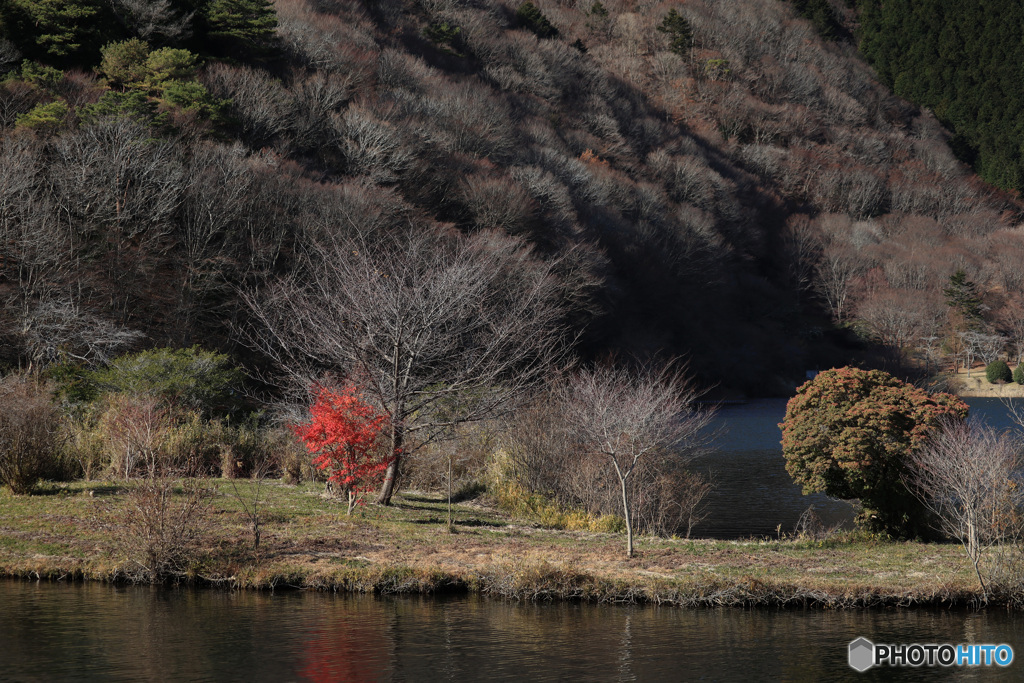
[(51, 29), (679, 32), (250, 23), (962, 296), (530, 16)]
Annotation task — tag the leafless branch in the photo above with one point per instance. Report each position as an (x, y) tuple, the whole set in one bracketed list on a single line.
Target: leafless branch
[(439, 330)]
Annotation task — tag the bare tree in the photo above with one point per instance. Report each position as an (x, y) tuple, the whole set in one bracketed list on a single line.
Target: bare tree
[(987, 347), (1011, 323), (969, 476), (682, 501), (58, 328), (963, 349), (895, 318), (137, 428), (931, 348), (153, 19), (625, 417), (801, 244), (263, 107), (161, 524), (439, 330), (250, 501), (836, 270), (29, 430)]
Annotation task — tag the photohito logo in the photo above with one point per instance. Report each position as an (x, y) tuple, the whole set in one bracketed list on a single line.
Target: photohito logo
[(864, 654)]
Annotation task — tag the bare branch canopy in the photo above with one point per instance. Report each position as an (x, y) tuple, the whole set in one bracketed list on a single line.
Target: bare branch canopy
[(438, 329)]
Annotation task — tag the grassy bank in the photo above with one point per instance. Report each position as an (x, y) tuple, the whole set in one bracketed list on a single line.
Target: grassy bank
[(71, 532), (976, 386)]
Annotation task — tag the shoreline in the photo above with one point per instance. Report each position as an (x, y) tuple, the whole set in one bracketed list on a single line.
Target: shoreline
[(310, 544), (555, 585), (976, 386)]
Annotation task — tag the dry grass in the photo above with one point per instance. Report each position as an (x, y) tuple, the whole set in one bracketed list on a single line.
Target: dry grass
[(308, 542), (976, 386)]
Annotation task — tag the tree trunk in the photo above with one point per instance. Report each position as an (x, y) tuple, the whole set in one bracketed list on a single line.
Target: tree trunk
[(629, 522), (388, 489)]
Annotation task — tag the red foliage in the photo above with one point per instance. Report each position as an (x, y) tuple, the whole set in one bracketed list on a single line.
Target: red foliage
[(344, 437)]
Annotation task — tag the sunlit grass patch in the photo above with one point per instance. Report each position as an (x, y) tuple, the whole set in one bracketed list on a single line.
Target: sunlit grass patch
[(309, 542)]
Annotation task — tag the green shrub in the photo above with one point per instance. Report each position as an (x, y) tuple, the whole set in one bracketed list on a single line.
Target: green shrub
[(45, 118), (40, 75), (187, 379), (1018, 373), (998, 372), (442, 33), (123, 64)]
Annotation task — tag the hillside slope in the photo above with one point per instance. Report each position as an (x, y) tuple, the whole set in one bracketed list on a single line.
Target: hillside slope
[(733, 188)]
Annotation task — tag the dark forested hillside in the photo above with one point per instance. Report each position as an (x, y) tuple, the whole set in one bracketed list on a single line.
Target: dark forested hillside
[(962, 60), (715, 179)]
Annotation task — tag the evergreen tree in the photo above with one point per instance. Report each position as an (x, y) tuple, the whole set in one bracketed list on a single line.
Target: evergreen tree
[(962, 60), (123, 64), (819, 13), (529, 16), (849, 433), (679, 32), (962, 296), (247, 23), (52, 30), (998, 371)]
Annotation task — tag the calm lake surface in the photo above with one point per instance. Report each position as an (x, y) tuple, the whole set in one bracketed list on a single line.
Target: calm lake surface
[(754, 495), (57, 632)]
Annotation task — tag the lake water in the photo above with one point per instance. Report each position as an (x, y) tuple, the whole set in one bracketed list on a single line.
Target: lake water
[(60, 632), (57, 632), (754, 495)]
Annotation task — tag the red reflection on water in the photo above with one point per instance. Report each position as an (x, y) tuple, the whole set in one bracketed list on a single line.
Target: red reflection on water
[(346, 650)]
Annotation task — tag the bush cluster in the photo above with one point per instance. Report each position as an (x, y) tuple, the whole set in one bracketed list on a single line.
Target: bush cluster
[(29, 432), (998, 372)]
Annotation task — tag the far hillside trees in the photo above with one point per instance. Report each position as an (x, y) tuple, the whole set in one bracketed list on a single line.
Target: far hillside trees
[(962, 60)]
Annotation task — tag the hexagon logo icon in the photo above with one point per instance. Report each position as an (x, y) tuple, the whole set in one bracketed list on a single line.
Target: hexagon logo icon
[(862, 654)]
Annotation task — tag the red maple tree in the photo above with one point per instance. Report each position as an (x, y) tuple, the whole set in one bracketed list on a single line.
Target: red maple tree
[(343, 435)]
